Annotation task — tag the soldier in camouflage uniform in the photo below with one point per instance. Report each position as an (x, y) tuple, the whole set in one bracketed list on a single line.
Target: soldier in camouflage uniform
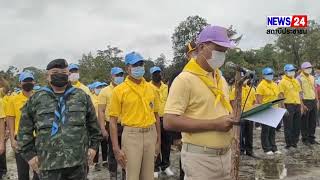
[(66, 127)]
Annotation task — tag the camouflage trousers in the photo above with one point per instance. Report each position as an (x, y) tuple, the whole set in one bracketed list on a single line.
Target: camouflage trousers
[(71, 173)]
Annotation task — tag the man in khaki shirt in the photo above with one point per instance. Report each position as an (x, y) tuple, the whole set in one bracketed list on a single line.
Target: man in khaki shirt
[(198, 105), (310, 100)]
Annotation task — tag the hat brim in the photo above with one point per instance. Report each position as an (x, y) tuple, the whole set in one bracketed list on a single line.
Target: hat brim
[(225, 44), (156, 71), (133, 62), (27, 78), (117, 72), (291, 69), (307, 67)]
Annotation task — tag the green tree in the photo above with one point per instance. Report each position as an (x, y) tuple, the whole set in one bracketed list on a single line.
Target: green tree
[(98, 68), (39, 75), (184, 33), (148, 63), (312, 43)]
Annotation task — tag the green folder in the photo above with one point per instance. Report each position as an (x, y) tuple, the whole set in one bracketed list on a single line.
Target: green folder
[(260, 108)]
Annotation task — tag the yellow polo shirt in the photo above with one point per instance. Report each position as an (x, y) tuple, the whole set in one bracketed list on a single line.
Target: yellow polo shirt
[(291, 89), (2, 112), (94, 99), (245, 91), (308, 86), (190, 97), (134, 103), (105, 99), (268, 90), (79, 85), (5, 100), (163, 94), (14, 108)]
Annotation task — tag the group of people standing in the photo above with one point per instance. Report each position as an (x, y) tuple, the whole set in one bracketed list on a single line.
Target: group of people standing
[(57, 129), (300, 91)]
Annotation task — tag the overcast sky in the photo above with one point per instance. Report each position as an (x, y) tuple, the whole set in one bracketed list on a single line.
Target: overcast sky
[(33, 32)]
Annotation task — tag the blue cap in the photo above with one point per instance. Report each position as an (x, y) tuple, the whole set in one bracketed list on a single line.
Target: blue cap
[(267, 71), (104, 84), (25, 75), (116, 70), (154, 69), (73, 66), (90, 86), (289, 67), (97, 84), (132, 58)]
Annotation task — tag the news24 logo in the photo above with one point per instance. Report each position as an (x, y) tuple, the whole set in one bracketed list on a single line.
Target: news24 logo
[(295, 24)]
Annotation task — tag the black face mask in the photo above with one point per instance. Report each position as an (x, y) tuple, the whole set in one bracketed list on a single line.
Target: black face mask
[(59, 79), (27, 87), (156, 78)]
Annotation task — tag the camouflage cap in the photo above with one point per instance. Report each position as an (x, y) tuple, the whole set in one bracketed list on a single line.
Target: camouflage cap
[(57, 63)]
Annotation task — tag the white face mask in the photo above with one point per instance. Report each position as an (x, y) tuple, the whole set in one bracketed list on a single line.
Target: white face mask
[(268, 77), (291, 73), (73, 77), (217, 59), (308, 71)]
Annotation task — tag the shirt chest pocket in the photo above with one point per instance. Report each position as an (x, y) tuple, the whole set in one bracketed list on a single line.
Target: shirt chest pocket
[(149, 99), (44, 118), (76, 115)]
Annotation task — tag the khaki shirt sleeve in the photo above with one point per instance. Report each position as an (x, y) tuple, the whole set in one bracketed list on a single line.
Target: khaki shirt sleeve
[(178, 98)]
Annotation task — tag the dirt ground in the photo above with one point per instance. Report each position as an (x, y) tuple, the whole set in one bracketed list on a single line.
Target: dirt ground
[(303, 163)]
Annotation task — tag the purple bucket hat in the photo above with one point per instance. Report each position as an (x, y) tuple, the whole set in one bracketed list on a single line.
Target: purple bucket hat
[(217, 35), (306, 65)]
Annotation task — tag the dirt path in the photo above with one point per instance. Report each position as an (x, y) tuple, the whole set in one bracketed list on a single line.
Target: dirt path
[(302, 164)]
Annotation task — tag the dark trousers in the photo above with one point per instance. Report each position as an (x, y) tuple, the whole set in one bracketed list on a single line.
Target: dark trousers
[(113, 165), (104, 151), (246, 136), (291, 123), (3, 165), (268, 141), (308, 121), (163, 160), (96, 157), (72, 173), (23, 168)]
